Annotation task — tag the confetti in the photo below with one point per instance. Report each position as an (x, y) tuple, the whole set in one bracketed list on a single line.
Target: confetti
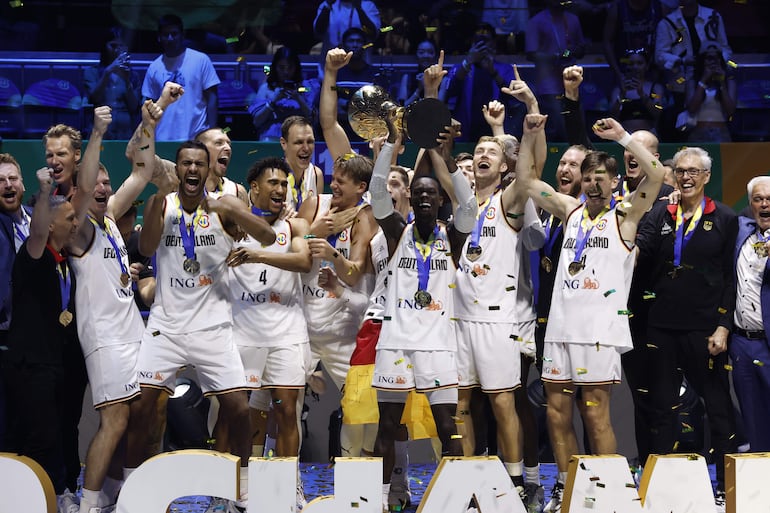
[(600, 485), (515, 337), (252, 152), (140, 164), (386, 29), (452, 286), (456, 437), (651, 346), (545, 194), (642, 390), (680, 80), (145, 132), (266, 69), (581, 370), (409, 366), (277, 401), (583, 466), (624, 312), (226, 129), (437, 383), (231, 40), (399, 361), (711, 363), (732, 64), (594, 478), (546, 359), (758, 363), (431, 29), (642, 194), (494, 308), (592, 403), (567, 391), (514, 216), (609, 292), (387, 318), (648, 295), (240, 58), (728, 367), (16, 3), (367, 45)]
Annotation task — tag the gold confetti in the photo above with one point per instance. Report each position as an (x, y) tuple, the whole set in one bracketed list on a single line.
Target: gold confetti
[(567, 391), (456, 437), (145, 132), (409, 366), (16, 3), (680, 80), (431, 29), (386, 29), (728, 367), (758, 363), (592, 403), (711, 363), (581, 370), (732, 64), (545, 194), (642, 390), (399, 361), (722, 310), (226, 129), (231, 40), (240, 58), (367, 45), (676, 445), (648, 295), (252, 152), (452, 286)]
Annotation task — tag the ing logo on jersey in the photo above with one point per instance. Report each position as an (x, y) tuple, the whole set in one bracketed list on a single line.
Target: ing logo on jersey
[(440, 244), (281, 239), (204, 222), (601, 225), (490, 213), (343, 236)]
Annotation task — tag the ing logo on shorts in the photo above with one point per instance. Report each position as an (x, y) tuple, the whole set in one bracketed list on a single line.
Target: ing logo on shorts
[(490, 213), (204, 222), (281, 239), (440, 244), (343, 236)]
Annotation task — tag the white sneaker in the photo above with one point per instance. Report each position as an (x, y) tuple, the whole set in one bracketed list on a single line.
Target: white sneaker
[(554, 505), (67, 502), (301, 501), (719, 501)]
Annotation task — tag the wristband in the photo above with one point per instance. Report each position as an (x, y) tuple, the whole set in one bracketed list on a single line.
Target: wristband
[(623, 141)]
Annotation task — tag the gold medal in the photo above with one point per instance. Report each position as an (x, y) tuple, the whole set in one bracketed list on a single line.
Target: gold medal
[(124, 279), (760, 249), (574, 268), (546, 264), (65, 318)]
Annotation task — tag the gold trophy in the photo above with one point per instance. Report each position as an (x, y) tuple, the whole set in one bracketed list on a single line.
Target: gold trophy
[(422, 121)]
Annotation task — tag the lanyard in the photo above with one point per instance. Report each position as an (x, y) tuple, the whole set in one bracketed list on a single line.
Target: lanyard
[(108, 232), (187, 232), (682, 236), (423, 252)]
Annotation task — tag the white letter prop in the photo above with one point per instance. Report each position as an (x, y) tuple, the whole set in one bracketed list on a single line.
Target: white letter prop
[(357, 488), (273, 485), (457, 480), (676, 482), (163, 478), (746, 482), (25, 485)]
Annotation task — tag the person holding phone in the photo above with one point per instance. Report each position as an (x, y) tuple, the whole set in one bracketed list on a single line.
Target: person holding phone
[(284, 94)]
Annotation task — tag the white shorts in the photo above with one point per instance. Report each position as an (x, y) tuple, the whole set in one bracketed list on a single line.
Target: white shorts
[(334, 355), (275, 367), (211, 351), (582, 364), (488, 355), (402, 370), (526, 338), (112, 373)]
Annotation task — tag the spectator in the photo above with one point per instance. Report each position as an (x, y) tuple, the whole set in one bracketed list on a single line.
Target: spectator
[(476, 81), (284, 94), (335, 17), (630, 25), (114, 83), (554, 41), (411, 88), (711, 96), (509, 18), (193, 70), (637, 101), (678, 40)]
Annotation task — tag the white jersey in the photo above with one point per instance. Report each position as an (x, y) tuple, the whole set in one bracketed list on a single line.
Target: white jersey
[(590, 306), (327, 317), (107, 314), (486, 288), (267, 297), (307, 188), (525, 290), (406, 324), (184, 301), (379, 251), (228, 188)]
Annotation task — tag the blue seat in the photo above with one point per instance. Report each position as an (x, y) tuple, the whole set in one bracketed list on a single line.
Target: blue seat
[(50, 102)]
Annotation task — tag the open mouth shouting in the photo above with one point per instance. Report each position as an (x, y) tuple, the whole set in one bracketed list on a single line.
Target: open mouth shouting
[(192, 184)]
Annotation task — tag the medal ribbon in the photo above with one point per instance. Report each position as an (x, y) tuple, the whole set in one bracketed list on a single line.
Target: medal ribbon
[(108, 232), (296, 190), (476, 233), (188, 232), (583, 234), (332, 239), (422, 252), (260, 213), (682, 236), (65, 284), (550, 237)]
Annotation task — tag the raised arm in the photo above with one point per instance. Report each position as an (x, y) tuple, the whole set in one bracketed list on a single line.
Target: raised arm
[(647, 192), (41, 216), (142, 164), (336, 139), (89, 166), (541, 193), (572, 109), (520, 90), (171, 93)]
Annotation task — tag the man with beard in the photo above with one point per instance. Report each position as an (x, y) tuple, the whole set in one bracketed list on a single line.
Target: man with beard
[(588, 328), (193, 235), (14, 230)]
